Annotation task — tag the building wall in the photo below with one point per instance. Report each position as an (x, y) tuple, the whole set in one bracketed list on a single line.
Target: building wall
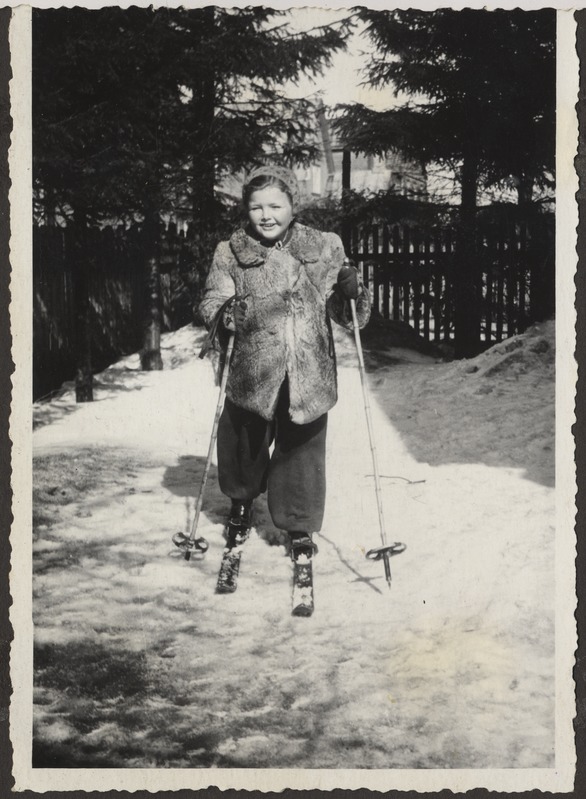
[(367, 174)]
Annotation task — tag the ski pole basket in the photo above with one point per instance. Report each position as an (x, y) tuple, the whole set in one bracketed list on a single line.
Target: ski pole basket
[(391, 549), (190, 546)]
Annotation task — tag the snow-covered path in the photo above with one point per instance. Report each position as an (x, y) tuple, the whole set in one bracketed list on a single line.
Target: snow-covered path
[(141, 664)]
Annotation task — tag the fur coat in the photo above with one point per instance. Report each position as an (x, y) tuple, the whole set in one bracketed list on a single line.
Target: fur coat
[(290, 293)]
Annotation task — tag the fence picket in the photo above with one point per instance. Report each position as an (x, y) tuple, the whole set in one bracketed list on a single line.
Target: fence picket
[(437, 282), (426, 285), (486, 244), (511, 282), (415, 268), (385, 271), (405, 283), (373, 254), (522, 266), (396, 305), (411, 274)]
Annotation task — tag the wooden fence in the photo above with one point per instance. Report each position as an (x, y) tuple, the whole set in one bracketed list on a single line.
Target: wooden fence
[(412, 274), (103, 272)]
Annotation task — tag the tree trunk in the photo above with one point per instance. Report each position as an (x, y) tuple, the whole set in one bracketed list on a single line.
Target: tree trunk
[(346, 183), (541, 258), (150, 356), (204, 178), (466, 278), (84, 380), (204, 107), (524, 191)]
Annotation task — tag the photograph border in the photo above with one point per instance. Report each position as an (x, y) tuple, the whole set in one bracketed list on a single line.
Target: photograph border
[(557, 779)]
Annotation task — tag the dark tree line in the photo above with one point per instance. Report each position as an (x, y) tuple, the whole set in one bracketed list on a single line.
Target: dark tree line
[(479, 91), (476, 92), (140, 112), (141, 108)]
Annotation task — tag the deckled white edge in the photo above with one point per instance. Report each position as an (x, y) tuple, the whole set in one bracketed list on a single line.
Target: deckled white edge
[(560, 779), (426, 5)]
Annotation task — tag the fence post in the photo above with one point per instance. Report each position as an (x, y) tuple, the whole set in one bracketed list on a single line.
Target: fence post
[(150, 356), (541, 258), (466, 291), (84, 379), (466, 272)]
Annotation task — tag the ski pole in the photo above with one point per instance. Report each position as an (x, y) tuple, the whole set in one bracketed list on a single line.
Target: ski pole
[(188, 544), (386, 550)]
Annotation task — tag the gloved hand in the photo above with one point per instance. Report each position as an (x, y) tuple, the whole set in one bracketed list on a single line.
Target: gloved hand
[(235, 315), (348, 280)]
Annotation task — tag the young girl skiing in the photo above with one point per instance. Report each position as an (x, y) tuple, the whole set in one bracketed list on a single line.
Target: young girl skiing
[(275, 284)]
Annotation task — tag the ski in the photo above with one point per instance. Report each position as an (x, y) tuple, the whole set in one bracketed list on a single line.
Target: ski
[(302, 586), (230, 566), (237, 532), (229, 570), (302, 550)]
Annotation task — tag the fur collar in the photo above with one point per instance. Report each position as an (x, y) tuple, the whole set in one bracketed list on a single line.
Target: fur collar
[(305, 245)]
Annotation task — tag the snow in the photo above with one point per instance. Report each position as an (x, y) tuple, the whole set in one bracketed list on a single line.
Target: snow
[(140, 664)]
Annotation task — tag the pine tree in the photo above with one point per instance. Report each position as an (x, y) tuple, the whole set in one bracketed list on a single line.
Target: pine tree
[(139, 112), (141, 106), (476, 92)]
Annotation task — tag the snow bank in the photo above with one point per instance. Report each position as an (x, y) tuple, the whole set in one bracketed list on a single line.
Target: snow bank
[(497, 409), (140, 663)]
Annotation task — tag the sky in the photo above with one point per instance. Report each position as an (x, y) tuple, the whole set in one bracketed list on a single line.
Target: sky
[(341, 82)]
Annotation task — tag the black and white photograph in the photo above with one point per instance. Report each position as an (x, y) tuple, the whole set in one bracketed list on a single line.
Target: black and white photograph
[(296, 379)]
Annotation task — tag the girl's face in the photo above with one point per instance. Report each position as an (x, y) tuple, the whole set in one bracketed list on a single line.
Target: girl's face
[(270, 213)]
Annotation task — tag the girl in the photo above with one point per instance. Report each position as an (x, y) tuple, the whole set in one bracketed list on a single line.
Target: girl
[(286, 280)]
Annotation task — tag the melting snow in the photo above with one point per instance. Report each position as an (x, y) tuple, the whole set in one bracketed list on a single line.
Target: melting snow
[(140, 664)]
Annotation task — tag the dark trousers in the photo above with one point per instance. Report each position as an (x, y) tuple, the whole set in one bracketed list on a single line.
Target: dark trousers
[(294, 475)]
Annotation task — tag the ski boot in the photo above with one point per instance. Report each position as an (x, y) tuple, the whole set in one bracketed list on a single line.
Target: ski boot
[(302, 551), (237, 532)]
